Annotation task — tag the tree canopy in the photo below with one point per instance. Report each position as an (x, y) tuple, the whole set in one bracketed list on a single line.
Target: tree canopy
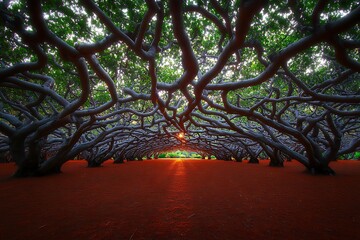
[(106, 79)]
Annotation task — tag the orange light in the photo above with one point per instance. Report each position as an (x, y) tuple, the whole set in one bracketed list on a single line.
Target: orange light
[(181, 135)]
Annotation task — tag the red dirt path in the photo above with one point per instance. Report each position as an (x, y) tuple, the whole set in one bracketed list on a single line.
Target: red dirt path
[(181, 199)]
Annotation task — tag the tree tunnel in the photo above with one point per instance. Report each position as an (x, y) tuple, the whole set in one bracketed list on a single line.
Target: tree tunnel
[(130, 79)]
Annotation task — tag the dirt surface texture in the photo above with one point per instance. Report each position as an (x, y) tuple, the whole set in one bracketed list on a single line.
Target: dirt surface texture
[(181, 199)]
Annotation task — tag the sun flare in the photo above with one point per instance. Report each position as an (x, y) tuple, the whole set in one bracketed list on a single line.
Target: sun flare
[(181, 135)]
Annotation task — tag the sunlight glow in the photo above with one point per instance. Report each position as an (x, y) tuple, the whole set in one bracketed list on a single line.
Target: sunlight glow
[(181, 135)]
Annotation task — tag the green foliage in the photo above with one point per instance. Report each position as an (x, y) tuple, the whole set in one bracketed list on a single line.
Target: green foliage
[(179, 154)]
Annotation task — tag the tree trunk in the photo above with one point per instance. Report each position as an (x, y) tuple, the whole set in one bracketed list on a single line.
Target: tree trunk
[(321, 170), (276, 162), (276, 159), (28, 164), (93, 164), (54, 170), (253, 160), (119, 160)]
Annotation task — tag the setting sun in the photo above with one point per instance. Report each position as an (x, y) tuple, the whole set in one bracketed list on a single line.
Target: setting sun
[(181, 135)]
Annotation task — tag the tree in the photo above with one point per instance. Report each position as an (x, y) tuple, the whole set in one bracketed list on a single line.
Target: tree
[(120, 80)]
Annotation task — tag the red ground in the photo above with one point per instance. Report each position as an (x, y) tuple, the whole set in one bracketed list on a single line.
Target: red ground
[(183, 199)]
